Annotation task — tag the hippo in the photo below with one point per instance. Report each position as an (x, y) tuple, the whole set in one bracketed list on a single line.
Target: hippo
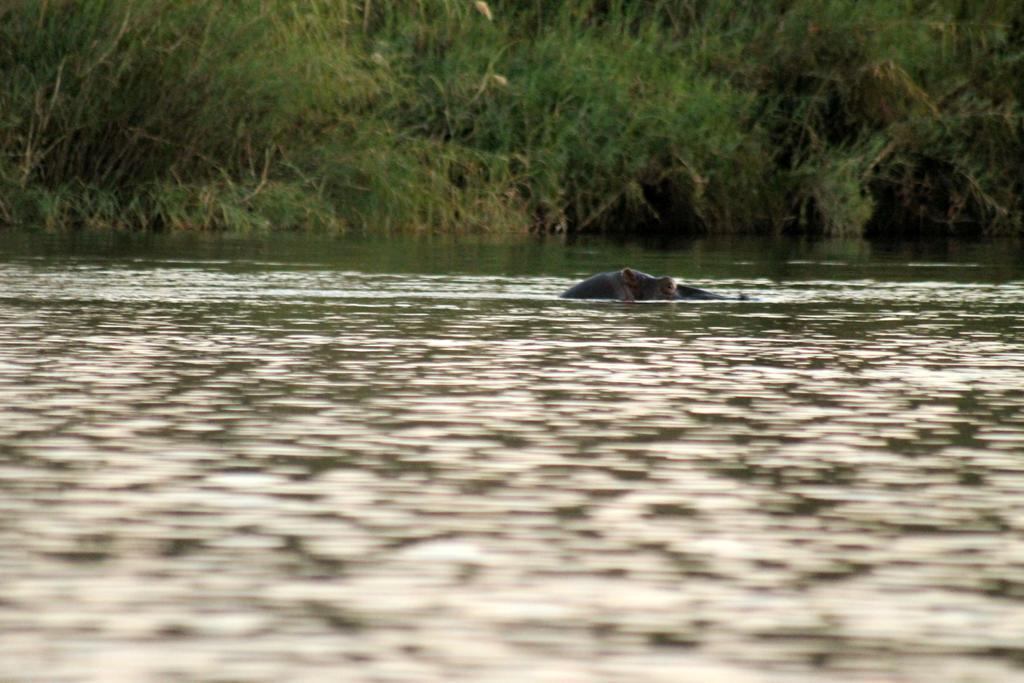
[(632, 285)]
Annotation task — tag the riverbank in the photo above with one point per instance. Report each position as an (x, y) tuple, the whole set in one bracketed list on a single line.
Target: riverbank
[(806, 117)]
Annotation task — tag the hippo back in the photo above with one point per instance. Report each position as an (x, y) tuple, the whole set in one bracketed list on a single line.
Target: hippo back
[(623, 285)]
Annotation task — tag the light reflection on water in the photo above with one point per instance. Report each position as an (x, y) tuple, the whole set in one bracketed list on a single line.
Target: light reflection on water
[(269, 473)]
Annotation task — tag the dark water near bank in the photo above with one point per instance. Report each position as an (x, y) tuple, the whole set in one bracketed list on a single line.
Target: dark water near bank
[(344, 460)]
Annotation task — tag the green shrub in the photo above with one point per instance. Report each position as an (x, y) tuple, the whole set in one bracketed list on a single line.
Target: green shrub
[(809, 116)]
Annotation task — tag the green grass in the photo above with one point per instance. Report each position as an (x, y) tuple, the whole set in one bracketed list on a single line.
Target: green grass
[(800, 116)]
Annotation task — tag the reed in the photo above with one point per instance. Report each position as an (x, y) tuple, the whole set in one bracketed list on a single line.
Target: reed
[(801, 116)]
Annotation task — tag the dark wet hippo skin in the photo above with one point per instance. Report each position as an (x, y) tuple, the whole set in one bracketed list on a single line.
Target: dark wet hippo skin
[(632, 285)]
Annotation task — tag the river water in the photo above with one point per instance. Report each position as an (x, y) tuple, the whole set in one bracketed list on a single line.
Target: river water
[(311, 459)]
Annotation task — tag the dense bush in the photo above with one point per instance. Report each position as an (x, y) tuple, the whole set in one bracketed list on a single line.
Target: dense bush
[(809, 116)]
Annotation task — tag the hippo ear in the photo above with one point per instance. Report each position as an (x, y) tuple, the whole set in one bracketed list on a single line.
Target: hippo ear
[(667, 286), (629, 277)]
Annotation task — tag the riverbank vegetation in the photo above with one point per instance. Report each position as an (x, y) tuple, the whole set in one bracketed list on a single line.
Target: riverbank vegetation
[(693, 116)]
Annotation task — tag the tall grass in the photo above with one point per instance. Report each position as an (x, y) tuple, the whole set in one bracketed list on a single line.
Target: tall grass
[(805, 116)]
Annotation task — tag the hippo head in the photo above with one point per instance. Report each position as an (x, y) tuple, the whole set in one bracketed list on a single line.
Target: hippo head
[(644, 287)]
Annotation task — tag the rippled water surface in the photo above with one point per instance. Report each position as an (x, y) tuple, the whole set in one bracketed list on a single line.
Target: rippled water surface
[(350, 461)]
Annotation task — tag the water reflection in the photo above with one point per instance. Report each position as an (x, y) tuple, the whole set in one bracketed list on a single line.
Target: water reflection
[(296, 473)]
